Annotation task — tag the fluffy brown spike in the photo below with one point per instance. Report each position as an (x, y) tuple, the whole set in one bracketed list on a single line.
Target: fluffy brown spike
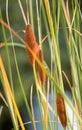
[(61, 110), (31, 42), (40, 70)]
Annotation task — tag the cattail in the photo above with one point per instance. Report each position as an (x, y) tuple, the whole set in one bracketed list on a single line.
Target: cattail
[(40, 70), (31, 42), (61, 110)]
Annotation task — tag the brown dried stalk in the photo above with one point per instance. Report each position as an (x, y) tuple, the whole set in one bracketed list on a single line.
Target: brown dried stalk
[(61, 110)]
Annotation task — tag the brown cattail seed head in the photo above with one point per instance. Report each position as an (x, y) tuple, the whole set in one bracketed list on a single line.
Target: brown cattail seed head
[(61, 110), (40, 70), (31, 42)]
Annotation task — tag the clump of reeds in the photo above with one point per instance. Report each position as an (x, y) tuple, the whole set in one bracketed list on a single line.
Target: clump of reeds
[(57, 16)]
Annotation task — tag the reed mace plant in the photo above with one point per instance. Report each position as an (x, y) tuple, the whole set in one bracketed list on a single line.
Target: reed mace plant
[(61, 110), (41, 72), (30, 40)]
